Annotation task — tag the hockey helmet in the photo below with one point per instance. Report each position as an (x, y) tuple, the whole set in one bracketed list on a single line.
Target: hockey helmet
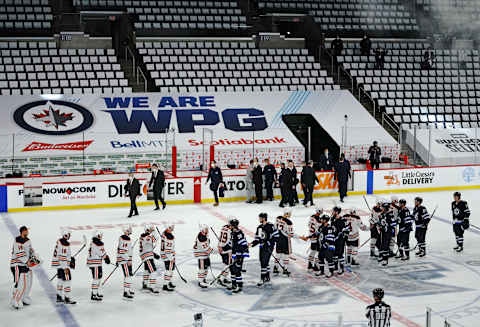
[(457, 194), (353, 212), (394, 198), (318, 210), (287, 212), (402, 201), (203, 227), (170, 226), (148, 228), (97, 233), (418, 199), (234, 223), (66, 232), (263, 215), (324, 218), (127, 229), (337, 209), (378, 293)]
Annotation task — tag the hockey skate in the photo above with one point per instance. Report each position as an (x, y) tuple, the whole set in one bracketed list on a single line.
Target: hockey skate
[(16, 306), (237, 289), (286, 272), (170, 284), (405, 258), (460, 249), (127, 296), (153, 290), (167, 288), (373, 255), (95, 297), (354, 263), (203, 284), (59, 299), (330, 274), (399, 256), (320, 272), (341, 269), (69, 301), (261, 283), (223, 282), (384, 263), (27, 300), (275, 271)]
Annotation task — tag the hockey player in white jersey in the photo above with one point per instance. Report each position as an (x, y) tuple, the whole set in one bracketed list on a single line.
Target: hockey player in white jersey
[(23, 257), (96, 255), (167, 252), (201, 251), (314, 225), (64, 262), (148, 241), (124, 260), (355, 225), (284, 226), (225, 250)]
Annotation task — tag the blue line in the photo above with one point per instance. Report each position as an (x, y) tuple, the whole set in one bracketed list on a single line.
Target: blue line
[(62, 310)]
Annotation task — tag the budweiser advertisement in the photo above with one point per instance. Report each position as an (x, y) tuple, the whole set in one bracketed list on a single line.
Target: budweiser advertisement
[(73, 146)]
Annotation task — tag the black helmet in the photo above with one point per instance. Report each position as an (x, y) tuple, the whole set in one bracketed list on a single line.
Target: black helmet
[(457, 194), (378, 292), (337, 209), (263, 215), (419, 199), (402, 201), (234, 222), (324, 217)]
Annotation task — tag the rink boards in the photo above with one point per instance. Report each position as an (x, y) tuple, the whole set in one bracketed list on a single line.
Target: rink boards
[(100, 191)]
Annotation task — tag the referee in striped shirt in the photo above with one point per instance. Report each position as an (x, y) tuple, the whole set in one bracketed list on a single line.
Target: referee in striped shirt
[(379, 313)]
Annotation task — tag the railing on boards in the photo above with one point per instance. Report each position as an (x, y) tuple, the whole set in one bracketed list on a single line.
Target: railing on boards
[(374, 105), (128, 51), (140, 72), (390, 122)]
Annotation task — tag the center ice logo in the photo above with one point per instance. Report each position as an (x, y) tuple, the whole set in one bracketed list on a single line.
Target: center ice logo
[(54, 117), (468, 174)]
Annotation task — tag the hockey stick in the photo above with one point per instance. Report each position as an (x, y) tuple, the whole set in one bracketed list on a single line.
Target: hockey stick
[(218, 238), (116, 266), (368, 206), (175, 264), (475, 226), (364, 243), (221, 274), (80, 250)]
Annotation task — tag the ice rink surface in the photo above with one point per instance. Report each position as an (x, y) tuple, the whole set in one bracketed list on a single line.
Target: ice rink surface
[(446, 281)]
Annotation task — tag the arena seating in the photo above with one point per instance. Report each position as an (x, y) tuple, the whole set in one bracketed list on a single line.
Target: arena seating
[(176, 15), (25, 15), (191, 66), (460, 11), (448, 95), (37, 67), (348, 15)]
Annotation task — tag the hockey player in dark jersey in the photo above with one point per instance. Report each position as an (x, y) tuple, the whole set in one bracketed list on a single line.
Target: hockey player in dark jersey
[(239, 252), (422, 219), (266, 236), (405, 222), (461, 221), (386, 232), (378, 313), (326, 247), (342, 228), (374, 233)]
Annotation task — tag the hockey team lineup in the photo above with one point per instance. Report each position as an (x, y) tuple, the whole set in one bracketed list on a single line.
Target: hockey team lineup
[(228, 254)]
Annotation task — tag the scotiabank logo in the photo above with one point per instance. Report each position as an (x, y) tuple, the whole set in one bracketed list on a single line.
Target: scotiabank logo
[(74, 146), (241, 141)]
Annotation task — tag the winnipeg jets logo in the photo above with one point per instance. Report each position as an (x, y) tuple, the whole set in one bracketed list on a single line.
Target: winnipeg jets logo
[(52, 117)]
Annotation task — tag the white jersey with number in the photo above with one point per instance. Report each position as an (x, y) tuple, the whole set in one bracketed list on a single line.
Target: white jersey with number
[(22, 251), (124, 249), (62, 254), (147, 244), (225, 241), (202, 248), (356, 225), (96, 253), (167, 248)]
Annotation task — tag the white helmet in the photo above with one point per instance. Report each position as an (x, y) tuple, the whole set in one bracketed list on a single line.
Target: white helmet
[(394, 198), (127, 229), (203, 227), (97, 233), (318, 210), (66, 232), (287, 212), (171, 226), (148, 228)]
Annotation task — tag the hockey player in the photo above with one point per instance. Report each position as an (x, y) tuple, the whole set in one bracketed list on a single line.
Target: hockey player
[(343, 230), (326, 245), (379, 313), (148, 242), (96, 253), (394, 215), (239, 252), (23, 257), (201, 251), (64, 262), (355, 224), (385, 229), (167, 253), (225, 250), (461, 221), (284, 246), (422, 219), (124, 260), (266, 236), (404, 228), (313, 227), (374, 233)]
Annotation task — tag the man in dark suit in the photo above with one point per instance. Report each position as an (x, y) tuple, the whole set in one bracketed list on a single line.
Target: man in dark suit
[(216, 180), (308, 180), (258, 181), (325, 160), (374, 151), (288, 184), (270, 174), (158, 182), (132, 190), (342, 174)]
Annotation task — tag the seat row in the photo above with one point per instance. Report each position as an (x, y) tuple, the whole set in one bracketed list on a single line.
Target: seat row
[(238, 74), (271, 68), (248, 88), (56, 75), (63, 83), (76, 90), (58, 67), (227, 59), (243, 81), (198, 45)]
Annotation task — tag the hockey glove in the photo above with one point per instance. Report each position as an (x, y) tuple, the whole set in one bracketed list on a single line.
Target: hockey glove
[(107, 260), (72, 263), (466, 224), (156, 256)]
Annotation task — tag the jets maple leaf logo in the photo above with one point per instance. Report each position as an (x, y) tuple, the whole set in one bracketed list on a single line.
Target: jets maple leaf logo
[(53, 117)]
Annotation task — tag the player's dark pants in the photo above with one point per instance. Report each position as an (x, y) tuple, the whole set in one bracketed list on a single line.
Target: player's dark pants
[(458, 230), (236, 272), (325, 257), (97, 272), (133, 205), (308, 191), (265, 253), (339, 257), (420, 234), (385, 239), (287, 195), (342, 187), (403, 242), (269, 187), (258, 192), (214, 189), (157, 195)]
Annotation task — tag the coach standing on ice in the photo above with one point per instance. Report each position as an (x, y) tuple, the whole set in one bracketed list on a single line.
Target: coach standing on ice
[(158, 182), (132, 190), (342, 174), (216, 180), (308, 180)]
